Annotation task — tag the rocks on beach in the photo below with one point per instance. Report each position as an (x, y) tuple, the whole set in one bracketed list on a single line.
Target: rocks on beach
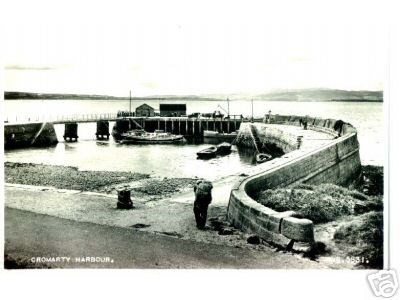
[(65, 177), (142, 186)]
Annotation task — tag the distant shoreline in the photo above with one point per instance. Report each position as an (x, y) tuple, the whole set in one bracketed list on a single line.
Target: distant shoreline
[(314, 95)]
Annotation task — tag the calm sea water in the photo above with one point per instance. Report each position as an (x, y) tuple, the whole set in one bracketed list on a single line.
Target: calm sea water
[(170, 160)]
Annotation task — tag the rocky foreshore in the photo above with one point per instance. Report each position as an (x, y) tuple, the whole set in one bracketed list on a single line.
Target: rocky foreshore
[(67, 177)]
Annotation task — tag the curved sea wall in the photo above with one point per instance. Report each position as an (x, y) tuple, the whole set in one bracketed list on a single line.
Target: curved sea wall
[(29, 135), (334, 159)]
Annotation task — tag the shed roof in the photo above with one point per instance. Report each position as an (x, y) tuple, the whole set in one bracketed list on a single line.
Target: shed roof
[(144, 106), (172, 106)]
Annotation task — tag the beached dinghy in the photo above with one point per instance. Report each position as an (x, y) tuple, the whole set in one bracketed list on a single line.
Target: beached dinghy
[(207, 153), (224, 148)]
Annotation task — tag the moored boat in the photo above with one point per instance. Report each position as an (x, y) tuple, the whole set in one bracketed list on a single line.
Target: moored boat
[(263, 157), (219, 136), (207, 153), (143, 137), (224, 148)]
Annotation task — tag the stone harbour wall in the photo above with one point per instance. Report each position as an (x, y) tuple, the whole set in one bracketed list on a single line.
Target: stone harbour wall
[(337, 161), (29, 135), (285, 141)]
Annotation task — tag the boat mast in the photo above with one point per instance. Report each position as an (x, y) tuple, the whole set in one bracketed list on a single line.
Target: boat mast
[(252, 117), (227, 99), (130, 104)]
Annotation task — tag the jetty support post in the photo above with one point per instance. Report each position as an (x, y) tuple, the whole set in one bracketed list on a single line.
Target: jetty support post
[(102, 130), (71, 132)]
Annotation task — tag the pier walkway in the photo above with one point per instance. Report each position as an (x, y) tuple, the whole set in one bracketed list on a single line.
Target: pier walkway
[(61, 119)]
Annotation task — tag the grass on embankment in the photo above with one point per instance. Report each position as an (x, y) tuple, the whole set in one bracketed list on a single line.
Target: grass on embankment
[(365, 233), (359, 215), (321, 203)]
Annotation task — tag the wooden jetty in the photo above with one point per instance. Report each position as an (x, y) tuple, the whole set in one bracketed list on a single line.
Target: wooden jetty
[(177, 125)]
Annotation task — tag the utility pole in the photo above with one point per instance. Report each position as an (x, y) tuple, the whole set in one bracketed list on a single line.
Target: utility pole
[(130, 104)]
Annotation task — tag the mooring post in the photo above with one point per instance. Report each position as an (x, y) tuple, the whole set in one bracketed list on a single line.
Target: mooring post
[(200, 129)]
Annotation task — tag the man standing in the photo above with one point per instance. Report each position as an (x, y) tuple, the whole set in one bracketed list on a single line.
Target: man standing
[(202, 191)]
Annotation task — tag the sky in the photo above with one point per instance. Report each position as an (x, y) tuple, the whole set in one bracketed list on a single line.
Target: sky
[(156, 49)]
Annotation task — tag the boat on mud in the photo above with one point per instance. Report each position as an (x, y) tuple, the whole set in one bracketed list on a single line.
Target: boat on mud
[(219, 136), (224, 148), (207, 153), (144, 137), (213, 151), (263, 157)]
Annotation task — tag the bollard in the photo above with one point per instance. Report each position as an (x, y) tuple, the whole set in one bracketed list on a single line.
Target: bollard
[(124, 199)]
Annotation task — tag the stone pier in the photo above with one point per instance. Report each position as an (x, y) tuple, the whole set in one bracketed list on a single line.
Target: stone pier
[(328, 153)]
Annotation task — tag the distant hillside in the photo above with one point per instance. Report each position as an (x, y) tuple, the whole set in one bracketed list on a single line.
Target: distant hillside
[(27, 95), (322, 95), (49, 96), (308, 95), (278, 95)]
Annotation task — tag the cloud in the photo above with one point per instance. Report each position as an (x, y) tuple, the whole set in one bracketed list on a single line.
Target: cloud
[(299, 59), (33, 68), (149, 85)]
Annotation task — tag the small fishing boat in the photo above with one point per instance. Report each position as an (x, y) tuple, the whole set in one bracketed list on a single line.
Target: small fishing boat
[(224, 148), (218, 136), (156, 137), (207, 153), (263, 157)]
